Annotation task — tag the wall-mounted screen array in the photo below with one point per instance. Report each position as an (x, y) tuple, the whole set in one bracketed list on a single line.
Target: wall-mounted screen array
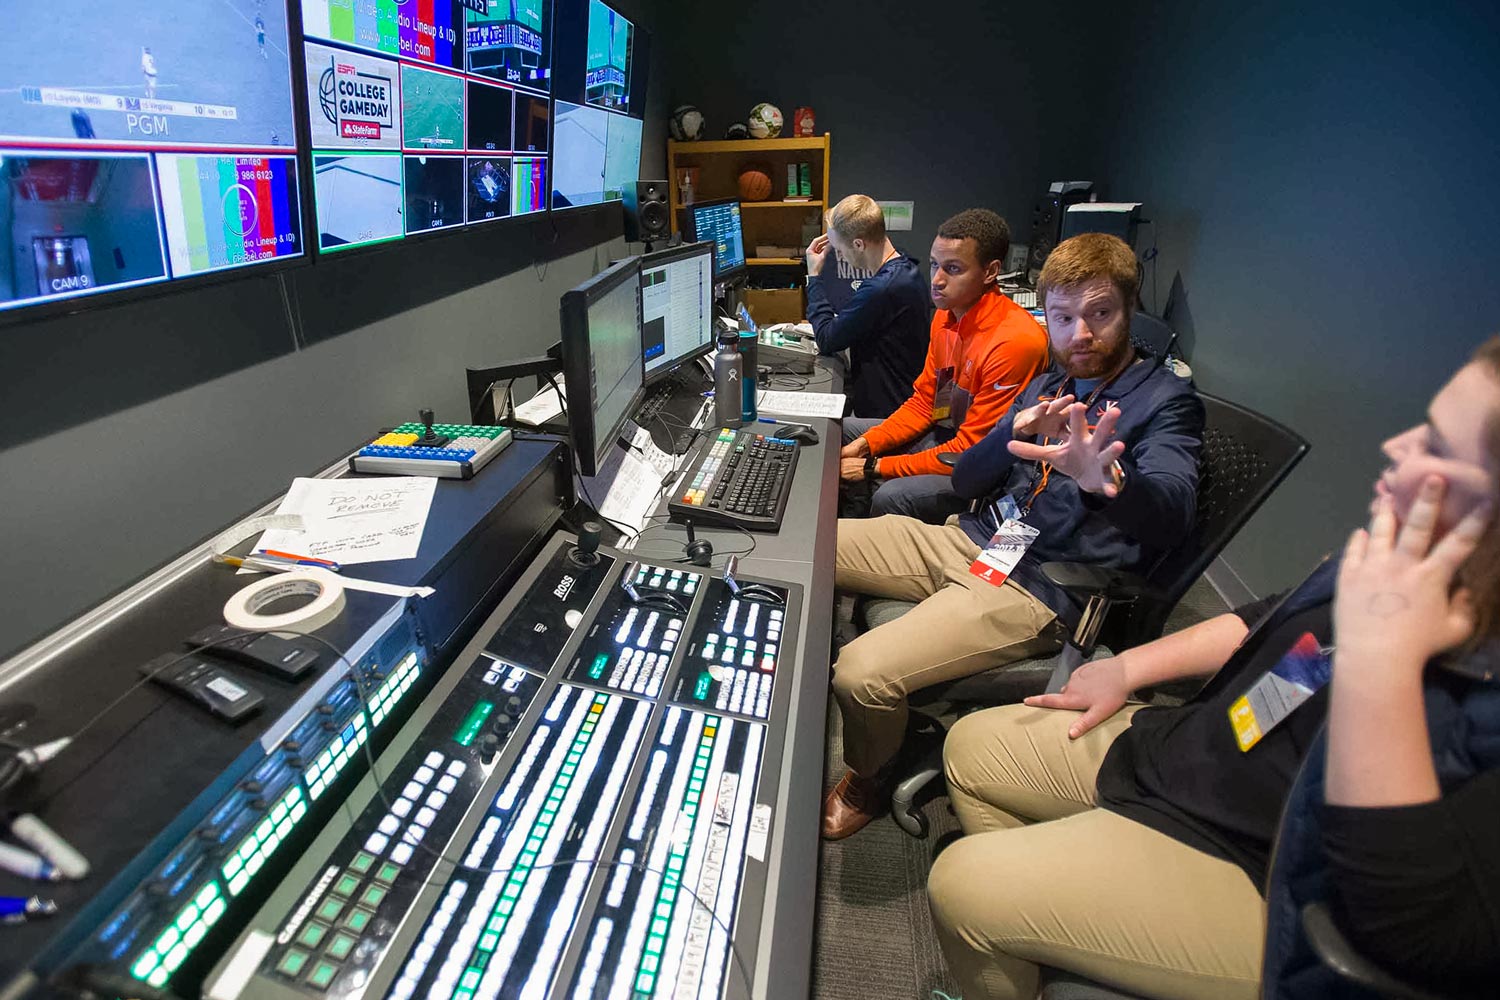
[(162, 144), (153, 144)]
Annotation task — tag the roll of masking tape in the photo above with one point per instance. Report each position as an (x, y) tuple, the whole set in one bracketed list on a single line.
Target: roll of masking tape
[(327, 592)]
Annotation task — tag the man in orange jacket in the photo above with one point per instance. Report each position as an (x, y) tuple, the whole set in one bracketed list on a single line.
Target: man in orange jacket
[(982, 351)]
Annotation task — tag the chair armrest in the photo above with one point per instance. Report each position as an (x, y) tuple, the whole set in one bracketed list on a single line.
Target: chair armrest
[(949, 458), (1085, 580), (1338, 954)]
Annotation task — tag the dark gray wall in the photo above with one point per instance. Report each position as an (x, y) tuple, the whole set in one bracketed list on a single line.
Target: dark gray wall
[(140, 429), (1323, 176), (950, 108)]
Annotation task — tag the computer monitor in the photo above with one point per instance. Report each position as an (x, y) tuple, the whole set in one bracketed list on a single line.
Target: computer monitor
[(677, 320), (718, 222), (601, 346)]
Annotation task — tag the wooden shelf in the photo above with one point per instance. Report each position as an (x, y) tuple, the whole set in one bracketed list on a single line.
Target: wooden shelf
[(809, 143), (773, 261), (781, 204)]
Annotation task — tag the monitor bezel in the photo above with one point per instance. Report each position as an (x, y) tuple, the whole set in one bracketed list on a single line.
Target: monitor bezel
[(590, 447), (672, 255), (690, 231)]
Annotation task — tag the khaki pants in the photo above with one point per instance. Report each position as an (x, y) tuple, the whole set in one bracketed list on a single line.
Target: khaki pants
[(1049, 879), (961, 626)]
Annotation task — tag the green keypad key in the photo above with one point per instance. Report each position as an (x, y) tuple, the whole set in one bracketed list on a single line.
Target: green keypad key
[(362, 863), (331, 909), (388, 873), (312, 934), (322, 974), (292, 962), (340, 946), (346, 885), (358, 920), (372, 896)]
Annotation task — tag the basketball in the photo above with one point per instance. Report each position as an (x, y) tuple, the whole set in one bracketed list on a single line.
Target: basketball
[(755, 182)]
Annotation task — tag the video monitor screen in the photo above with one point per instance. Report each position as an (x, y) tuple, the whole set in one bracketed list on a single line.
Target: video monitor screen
[(488, 188), (118, 133), (354, 99), (432, 109), (77, 223), (607, 65), (511, 42), (578, 161), (719, 223), (676, 307), (615, 356), (622, 156), (434, 192), (225, 211), (528, 185), (358, 197), (427, 31), (488, 111), (533, 116)]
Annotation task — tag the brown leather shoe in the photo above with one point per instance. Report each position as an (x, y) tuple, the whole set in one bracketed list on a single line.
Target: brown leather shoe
[(853, 802)]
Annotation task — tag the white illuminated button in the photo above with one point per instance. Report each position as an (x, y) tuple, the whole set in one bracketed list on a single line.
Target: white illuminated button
[(376, 842), (691, 586), (775, 615), (423, 774), (401, 853), (425, 816), (490, 677), (389, 825), (433, 759), (414, 834), (572, 617), (412, 790), (667, 647), (447, 783), (774, 635), (748, 660), (673, 583), (733, 640), (437, 800), (728, 656), (456, 768), (401, 807), (750, 645), (770, 649)]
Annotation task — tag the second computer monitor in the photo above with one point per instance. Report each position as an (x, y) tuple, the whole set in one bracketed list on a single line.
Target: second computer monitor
[(677, 320), (601, 346), (718, 222)]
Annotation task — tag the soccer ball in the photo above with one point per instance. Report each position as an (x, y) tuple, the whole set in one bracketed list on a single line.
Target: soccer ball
[(686, 124), (765, 121), (736, 130)]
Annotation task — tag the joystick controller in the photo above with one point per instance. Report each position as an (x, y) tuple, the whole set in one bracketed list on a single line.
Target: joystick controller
[(430, 439), (586, 552)]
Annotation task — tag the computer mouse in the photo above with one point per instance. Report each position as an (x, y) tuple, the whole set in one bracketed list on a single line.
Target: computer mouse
[(799, 432)]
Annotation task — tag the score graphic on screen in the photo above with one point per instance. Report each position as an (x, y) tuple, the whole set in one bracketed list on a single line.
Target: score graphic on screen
[(510, 41), (423, 30), (607, 70), (353, 99), (223, 211), (172, 72)]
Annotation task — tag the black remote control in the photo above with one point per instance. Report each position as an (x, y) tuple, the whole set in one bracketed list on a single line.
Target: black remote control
[(263, 651), (206, 684)]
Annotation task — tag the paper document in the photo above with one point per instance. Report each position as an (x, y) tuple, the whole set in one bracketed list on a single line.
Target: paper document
[(628, 486), (354, 520), (801, 404), (544, 406)]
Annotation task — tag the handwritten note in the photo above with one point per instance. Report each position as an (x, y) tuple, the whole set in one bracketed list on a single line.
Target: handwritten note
[(354, 520), (802, 404)]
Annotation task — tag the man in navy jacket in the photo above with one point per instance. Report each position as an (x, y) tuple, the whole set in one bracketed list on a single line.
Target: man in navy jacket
[(1099, 459), (884, 326)]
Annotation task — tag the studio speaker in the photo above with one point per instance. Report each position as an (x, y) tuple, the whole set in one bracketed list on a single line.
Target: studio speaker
[(646, 216)]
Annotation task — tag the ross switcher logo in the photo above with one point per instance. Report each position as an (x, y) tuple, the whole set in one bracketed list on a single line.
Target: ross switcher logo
[(564, 587)]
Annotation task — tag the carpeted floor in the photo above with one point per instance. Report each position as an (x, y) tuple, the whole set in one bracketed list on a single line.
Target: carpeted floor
[(874, 938)]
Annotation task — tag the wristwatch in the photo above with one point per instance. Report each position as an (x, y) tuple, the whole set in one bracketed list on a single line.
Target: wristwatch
[(872, 467)]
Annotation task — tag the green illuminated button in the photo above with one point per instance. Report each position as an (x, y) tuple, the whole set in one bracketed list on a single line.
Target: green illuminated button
[(372, 896), (340, 946), (322, 974), (346, 885), (312, 935), (362, 863), (292, 962), (331, 909), (358, 919), (388, 873)]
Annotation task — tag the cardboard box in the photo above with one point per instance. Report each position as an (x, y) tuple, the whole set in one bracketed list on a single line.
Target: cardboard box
[(775, 305)]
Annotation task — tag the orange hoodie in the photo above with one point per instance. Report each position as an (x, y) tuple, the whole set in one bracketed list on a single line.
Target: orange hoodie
[(994, 351)]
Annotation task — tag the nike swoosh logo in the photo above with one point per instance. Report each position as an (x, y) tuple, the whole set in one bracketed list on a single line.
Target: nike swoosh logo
[(1004, 388)]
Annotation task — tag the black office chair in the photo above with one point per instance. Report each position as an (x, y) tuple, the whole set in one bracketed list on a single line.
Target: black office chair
[(1245, 457), (1151, 334)]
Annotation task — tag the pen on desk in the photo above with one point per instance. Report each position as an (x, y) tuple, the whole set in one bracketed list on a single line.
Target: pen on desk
[(27, 865), (265, 564), (19, 909), (299, 560), (46, 842)]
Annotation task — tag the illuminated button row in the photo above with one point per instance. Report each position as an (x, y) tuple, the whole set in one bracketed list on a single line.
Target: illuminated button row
[(258, 846), (396, 684), (656, 935), (424, 950), (514, 677), (172, 946), (326, 766), (671, 580), (639, 672), (747, 692), (416, 808)]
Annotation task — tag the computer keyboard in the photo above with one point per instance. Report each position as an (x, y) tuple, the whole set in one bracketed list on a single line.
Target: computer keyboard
[(671, 405), (1023, 297), (740, 479)]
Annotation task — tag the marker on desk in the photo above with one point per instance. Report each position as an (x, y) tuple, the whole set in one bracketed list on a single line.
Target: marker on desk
[(19, 909), (27, 865), (295, 559), (42, 839)]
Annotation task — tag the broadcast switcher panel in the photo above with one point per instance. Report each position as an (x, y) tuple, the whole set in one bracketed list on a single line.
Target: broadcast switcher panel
[(582, 807)]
